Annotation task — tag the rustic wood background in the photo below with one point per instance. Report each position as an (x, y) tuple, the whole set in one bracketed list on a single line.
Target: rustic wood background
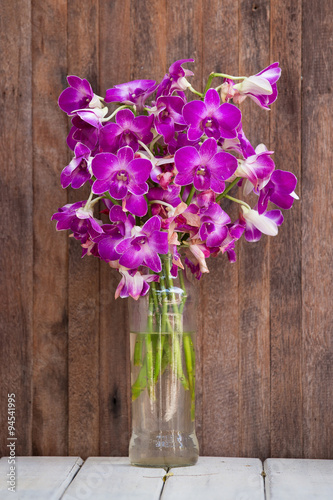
[(265, 374)]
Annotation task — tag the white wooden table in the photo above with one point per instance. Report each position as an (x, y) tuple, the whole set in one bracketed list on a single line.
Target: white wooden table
[(69, 478)]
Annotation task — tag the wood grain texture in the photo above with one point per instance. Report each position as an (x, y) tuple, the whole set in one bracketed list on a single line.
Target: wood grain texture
[(49, 57), (149, 33), (317, 216), (216, 478), (114, 478), (219, 299), (16, 201), (285, 249), (298, 479), (254, 328), (185, 38), (39, 478), (265, 376), (83, 279), (115, 57)]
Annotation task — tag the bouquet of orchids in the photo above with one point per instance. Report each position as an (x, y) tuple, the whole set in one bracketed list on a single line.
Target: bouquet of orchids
[(163, 167)]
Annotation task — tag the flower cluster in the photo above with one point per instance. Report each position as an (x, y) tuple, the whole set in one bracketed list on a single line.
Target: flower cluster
[(163, 166)]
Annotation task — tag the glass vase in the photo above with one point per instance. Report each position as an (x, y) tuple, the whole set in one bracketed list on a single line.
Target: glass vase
[(162, 345)]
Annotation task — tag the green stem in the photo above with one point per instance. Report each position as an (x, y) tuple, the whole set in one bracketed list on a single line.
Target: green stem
[(166, 358), (227, 189), (170, 286), (142, 144), (95, 201), (241, 202), (230, 77), (140, 383), (209, 82), (89, 200), (182, 284), (166, 344), (153, 142), (164, 305), (107, 195), (188, 359), (218, 87), (160, 202), (159, 355), (195, 91), (115, 112), (138, 350), (155, 299), (221, 75), (149, 351), (177, 329), (189, 366), (190, 196)]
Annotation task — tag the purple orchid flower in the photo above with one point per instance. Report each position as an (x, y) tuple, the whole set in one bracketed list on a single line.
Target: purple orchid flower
[(261, 88), (79, 220), (235, 231), (179, 142), (134, 284), (175, 79), (90, 247), (279, 190), (132, 93), (78, 95), (239, 144), (85, 226), (194, 268), (164, 201), (120, 174), (87, 124), (255, 224), (211, 118), (66, 215), (168, 116), (213, 228), (107, 242), (168, 196), (84, 134), (256, 169), (246, 147), (127, 131), (136, 204), (205, 168), (176, 257), (200, 253), (77, 172), (188, 221), (120, 228), (163, 171), (204, 198), (93, 117), (144, 246)]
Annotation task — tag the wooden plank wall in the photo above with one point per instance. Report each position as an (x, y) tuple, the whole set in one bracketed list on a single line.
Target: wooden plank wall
[(265, 371)]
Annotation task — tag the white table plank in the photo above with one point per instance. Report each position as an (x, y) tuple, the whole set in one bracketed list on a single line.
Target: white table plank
[(115, 478), (216, 478), (298, 479), (44, 478)]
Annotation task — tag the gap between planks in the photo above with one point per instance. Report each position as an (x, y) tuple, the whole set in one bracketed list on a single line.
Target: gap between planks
[(113, 477), (234, 477)]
